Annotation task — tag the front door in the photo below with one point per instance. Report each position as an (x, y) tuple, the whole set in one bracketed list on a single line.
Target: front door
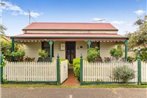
[(70, 51)]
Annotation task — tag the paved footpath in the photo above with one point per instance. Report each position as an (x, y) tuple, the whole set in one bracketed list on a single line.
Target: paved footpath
[(74, 93)]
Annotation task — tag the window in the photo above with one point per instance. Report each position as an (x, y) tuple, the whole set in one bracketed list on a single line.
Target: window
[(46, 47)]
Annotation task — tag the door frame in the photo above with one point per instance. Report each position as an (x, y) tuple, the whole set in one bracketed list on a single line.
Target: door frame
[(74, 48)]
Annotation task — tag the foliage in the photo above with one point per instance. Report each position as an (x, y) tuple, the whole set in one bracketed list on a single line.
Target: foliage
[(29, 59), (117, 52), (123, 73), (43, 53), (107, 59), (18, 55), (93, 54), (130, 59), (76, 67), (76, 61), (143, 54), (2, 63), (139, 37), (5, 44), (6, 48)]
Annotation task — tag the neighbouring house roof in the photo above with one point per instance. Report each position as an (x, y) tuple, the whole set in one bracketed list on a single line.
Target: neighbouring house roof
[(70, 26), (3, 37)]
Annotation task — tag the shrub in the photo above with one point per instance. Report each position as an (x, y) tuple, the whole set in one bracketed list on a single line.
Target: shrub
[(42, 53), (18, 55), (143, 54), (130, 59), (76, 67), (123, 74), (76, 61), (29, 59), (107, 59), (117, 52), (3, 63), (93, 54)]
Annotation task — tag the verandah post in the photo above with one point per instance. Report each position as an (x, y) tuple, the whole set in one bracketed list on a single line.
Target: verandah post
[(58, 69), (139, 67), (81, 69), (50, 43), (89, 43), (126, 49)]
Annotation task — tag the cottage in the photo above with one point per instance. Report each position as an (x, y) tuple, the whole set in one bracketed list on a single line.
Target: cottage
[(69, 40)]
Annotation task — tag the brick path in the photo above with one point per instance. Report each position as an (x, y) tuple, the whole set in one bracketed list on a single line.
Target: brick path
[(72, 80)]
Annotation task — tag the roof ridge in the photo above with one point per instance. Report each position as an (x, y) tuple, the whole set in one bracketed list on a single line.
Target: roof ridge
[(71, 23)]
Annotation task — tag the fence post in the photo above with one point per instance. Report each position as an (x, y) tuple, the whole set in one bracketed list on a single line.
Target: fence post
[(1, 68), (126, 49), (12, 47), (58, 70), (81, 69), (139, 67)]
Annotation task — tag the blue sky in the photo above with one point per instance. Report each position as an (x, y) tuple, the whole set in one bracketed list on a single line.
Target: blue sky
[(121, 13)]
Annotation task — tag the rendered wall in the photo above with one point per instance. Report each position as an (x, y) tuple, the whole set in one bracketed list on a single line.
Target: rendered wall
[(31, 49)]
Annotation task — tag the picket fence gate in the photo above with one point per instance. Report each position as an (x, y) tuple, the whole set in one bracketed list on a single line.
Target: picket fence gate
[(63, 70)]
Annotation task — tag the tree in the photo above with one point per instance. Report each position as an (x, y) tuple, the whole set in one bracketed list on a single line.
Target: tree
[(139, 37)]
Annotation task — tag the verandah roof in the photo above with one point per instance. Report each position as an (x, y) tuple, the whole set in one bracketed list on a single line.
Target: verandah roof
[(102, 37)]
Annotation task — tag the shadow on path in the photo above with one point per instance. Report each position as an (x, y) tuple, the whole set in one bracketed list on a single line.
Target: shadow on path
[(72, 80)]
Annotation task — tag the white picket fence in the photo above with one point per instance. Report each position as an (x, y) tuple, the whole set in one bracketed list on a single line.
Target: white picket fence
[(63, 70), (30, 71), (144, 71), (102, 72)]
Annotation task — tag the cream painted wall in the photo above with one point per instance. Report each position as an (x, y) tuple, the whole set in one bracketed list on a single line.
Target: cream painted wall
[(57, 50), (31, 49), (82, 50), (105, 48)]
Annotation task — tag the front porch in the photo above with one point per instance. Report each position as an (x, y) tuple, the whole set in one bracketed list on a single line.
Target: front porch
[(68, 48)]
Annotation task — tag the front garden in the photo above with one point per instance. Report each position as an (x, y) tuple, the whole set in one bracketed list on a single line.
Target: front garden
[(114, 69)]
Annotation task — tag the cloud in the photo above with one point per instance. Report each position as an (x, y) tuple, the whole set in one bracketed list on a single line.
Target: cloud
[(124, 27), (139, 12), (16, 10), (99, 19)]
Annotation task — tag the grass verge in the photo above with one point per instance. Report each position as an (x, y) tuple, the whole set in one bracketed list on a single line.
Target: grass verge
[(83, 86)]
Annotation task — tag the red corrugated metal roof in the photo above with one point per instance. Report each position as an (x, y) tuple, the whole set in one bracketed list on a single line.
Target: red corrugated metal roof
[(69, 26)]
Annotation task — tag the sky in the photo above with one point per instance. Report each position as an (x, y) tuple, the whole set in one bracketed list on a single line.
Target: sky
[(121, 13)]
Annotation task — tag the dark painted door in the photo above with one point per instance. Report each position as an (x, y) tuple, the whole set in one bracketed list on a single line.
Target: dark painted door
[(70, 51)]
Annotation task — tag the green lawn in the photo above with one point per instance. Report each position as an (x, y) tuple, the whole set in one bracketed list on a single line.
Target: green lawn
[(83, 86)]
